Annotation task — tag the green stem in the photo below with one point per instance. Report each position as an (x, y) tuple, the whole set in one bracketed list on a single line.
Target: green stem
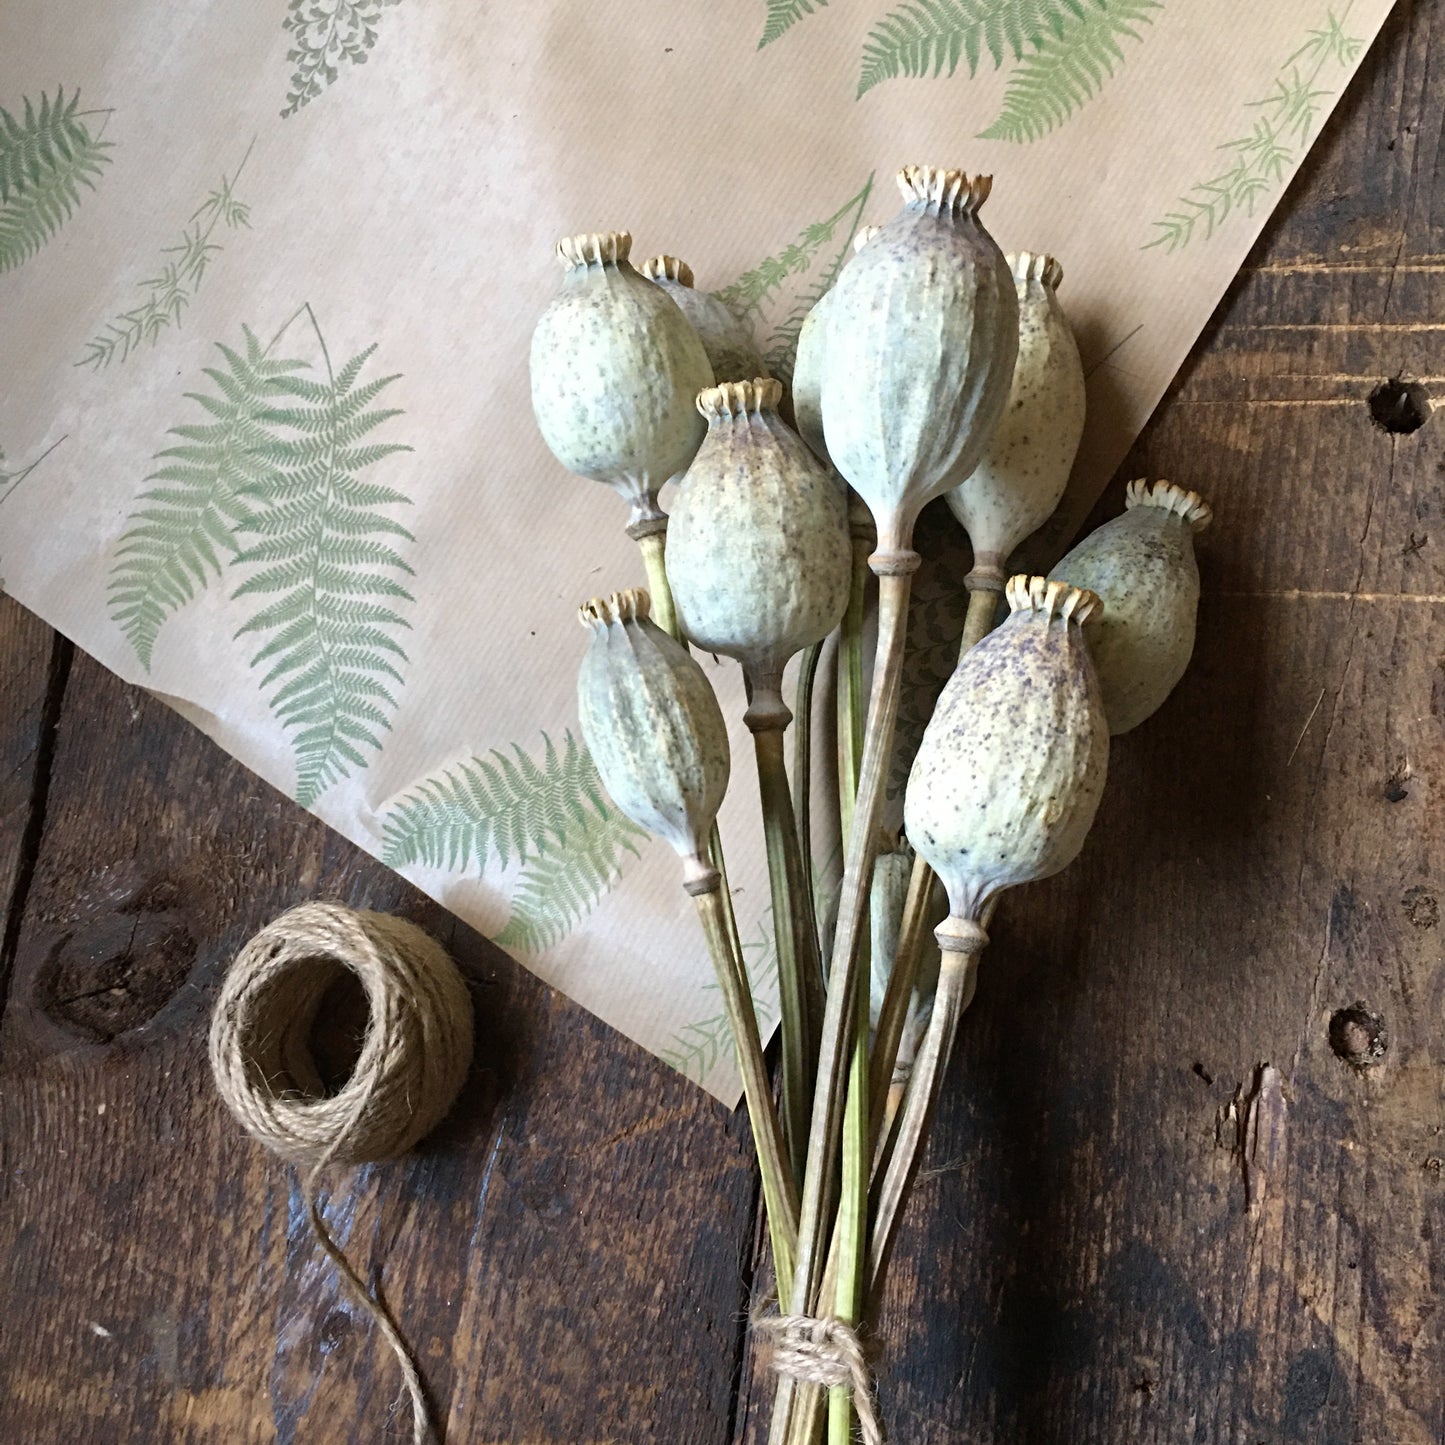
[(851, 1228), (898, 998), (792, 930), (780, 1195), (896, 571), (653, 546), (956, 978), (803, 758), (850, 681)]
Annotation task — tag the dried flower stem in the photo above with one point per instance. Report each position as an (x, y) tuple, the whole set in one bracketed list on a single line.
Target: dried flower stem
[(780, 1195), (653, 546), (897, 998), (895, 571), (797, 940), (979, 622), (850, 670), (851, 1230), (956, 979), (803, 763)]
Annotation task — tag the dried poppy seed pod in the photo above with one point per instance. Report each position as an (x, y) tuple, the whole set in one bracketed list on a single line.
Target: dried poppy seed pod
[(729, 344), (653, 726), (921, 338), (1016, 486), (615, 369), (1142, 566), (1011, 768), (758, 552), (808, 363)]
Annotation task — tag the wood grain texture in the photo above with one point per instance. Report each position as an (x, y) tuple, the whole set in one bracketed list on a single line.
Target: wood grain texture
[(1159, 1208), (568, 1253)]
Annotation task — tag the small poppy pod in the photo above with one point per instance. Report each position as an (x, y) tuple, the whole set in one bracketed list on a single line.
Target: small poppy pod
[(1016, 486), (615, 368), (808, 363), (922, 333), (1011, 767), (1142, 566), (758, 549), (731, 350), (653, 726)]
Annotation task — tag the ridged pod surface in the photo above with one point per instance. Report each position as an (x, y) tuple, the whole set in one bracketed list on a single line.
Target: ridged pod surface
[(1025, 467), (758, 551), (921, 336), (1143, 568), (731, 350), (1011, 768), (616, 367), (653, 725), (808, 362)]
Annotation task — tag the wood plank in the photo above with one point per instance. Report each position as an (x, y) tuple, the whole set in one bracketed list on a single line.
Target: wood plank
[(568, 1252), (33, 665)]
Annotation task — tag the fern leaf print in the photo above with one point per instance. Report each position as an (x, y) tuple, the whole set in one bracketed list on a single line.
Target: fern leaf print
[(1069, 68), (559, 889), (551, 816), (783, 15), (326, 34), (46, 156), (934, 37), (1279, 130), (183, 527), (818, 253), (166, 295), (698, 1047), (325, 560)]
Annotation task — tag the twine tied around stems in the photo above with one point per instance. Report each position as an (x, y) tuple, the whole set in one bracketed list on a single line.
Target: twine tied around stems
[(414, 1055), (824, 1352)]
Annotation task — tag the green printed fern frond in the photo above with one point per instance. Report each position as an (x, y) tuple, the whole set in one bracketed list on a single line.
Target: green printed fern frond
[(696, 1047), (46, 156), (1069, 68), (749, 296), (166, 295), (510, 806), (935, 37), (557, 890), (1261, 158), (326, 33), (550, 815), (184, 526), (783, 15), (322, 555)]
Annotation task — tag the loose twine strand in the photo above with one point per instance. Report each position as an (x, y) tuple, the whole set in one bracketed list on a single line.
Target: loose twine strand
[(824, 1352), (414, 1056)]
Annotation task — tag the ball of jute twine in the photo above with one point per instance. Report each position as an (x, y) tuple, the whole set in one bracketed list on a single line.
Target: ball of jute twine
[(823, 1352), (415, 1053)]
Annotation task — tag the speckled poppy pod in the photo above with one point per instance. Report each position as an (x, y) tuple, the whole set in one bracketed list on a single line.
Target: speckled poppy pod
[(1025, 467), (731, 350), (653, 726), (758, 548), (615, 369), (921, 336), (808, 363), (1142, 565), (1011, 768)]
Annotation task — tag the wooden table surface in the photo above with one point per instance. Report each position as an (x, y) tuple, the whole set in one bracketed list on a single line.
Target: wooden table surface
[(1087, 1261)]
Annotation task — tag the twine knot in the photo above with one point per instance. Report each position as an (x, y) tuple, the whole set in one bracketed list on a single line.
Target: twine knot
[(824, 1352)]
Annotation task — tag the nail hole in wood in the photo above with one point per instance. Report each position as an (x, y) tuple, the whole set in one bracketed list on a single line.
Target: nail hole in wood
[(1358, 1036), (1399, 406)]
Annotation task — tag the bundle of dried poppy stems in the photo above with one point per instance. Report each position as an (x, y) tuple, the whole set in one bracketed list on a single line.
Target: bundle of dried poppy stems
[(935, 366)]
